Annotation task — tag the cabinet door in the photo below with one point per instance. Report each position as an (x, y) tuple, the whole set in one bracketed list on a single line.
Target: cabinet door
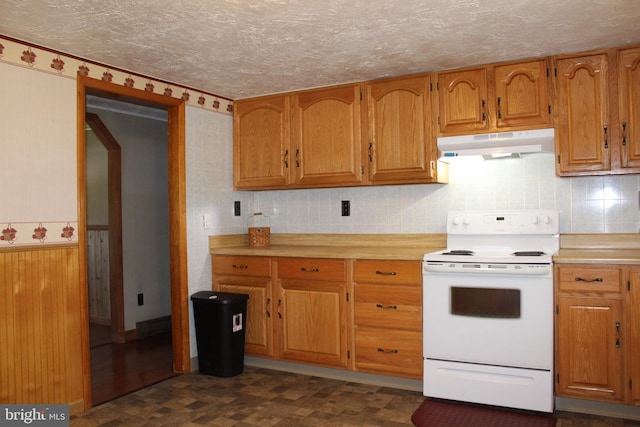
[(327, 137), (629, 68), (313, 322), (463, 101), (258, 336), (522, 95), (633, 347), (261, 155), (400, 147), (589, 353), (582, 129)]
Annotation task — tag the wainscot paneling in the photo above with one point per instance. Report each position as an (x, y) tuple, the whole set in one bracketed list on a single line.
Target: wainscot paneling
[(41, 326)]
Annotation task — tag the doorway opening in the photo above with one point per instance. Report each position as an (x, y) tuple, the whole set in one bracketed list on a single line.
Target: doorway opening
[(130, 344), (176, 342)]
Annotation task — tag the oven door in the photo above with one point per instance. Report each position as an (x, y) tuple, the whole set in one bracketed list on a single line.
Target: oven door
[(493, 319)]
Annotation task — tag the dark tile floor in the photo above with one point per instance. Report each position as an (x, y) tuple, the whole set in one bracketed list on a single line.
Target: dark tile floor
[(262, 397)]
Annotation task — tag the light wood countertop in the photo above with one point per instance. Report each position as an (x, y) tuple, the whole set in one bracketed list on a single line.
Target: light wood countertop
[(611, 248), (351, 246)]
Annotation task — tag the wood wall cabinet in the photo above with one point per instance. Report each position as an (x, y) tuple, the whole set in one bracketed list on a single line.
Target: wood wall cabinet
[(598, 332), (494, 98), (312, 311), (388, 317), (319, 138), (583, 115), (252, 276), (401, 147), (327, 136), (629, 81), (598, 114), (261, 142)]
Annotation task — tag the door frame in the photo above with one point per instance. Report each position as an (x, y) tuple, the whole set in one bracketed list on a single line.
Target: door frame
[(176, 109), (114, 178)]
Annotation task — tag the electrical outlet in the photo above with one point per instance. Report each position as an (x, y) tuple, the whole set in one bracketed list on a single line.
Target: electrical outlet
[(140, 299), (236, 208), (346, 208)]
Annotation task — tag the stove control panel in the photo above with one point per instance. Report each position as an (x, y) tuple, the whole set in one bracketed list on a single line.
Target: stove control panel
[(503, 222)]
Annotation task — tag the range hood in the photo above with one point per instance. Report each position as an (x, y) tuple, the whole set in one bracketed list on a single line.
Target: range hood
[(497, 145)]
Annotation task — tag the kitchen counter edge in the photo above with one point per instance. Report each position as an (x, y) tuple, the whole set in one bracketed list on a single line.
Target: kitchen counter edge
[(409, 247)]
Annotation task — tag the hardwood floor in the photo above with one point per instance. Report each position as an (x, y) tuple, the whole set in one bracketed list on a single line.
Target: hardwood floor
[(118, 369)]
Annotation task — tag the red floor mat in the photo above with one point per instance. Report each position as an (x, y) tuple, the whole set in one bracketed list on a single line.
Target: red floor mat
[(435, 413)]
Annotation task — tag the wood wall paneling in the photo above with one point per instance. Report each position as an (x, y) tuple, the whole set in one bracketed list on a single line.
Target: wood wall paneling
[(40, 326)]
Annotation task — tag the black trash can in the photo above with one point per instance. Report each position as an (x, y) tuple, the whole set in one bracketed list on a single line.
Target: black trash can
[(220, 321)]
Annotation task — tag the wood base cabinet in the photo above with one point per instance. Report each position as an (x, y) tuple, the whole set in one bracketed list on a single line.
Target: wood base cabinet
[(312, 311), (251, 276), (598, 332), (388, 317)]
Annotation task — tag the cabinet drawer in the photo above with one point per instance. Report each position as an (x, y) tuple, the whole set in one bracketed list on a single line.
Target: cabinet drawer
[(389, 351), (396, 307), (377, 271), (332, 270), (241, 265), (585, 278)]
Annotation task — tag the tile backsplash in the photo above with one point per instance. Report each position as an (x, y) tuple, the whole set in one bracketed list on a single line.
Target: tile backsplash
[(606, 204)]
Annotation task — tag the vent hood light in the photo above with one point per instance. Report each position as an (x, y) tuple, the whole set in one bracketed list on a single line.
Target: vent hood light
[(497, 145)]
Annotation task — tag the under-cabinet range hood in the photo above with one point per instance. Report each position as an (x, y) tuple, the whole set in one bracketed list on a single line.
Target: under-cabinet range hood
[(497, 145)]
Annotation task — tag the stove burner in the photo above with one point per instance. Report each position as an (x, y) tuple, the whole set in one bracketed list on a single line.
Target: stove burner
[(459, 252), (528, 253)]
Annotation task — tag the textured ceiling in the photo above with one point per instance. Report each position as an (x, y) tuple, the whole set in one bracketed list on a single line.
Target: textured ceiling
[(243, 48)]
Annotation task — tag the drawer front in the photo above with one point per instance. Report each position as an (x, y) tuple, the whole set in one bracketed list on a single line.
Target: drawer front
[(241, 265), (332, 270), (378, 271), (585, 278), (395, 307), (389, 351)]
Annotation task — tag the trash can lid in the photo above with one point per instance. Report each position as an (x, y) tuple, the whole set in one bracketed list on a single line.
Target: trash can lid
[(218, 297)]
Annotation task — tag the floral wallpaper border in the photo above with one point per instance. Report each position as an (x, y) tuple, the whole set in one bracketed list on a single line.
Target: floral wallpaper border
[(41, 59), (35, 233)]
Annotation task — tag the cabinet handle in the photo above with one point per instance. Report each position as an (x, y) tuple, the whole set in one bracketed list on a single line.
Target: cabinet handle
[(624, 133), (310, 270), (617, 334), (279, 304), (606, 137), (387, 307), (597, 279), (241, 267), (268, 304), (286, 159), (386, 273), (297, 157), (370, 152), (484, 115), (390, 351), (499, 109)]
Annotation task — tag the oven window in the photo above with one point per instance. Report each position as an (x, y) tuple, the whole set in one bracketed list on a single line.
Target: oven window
[(485, 302)]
